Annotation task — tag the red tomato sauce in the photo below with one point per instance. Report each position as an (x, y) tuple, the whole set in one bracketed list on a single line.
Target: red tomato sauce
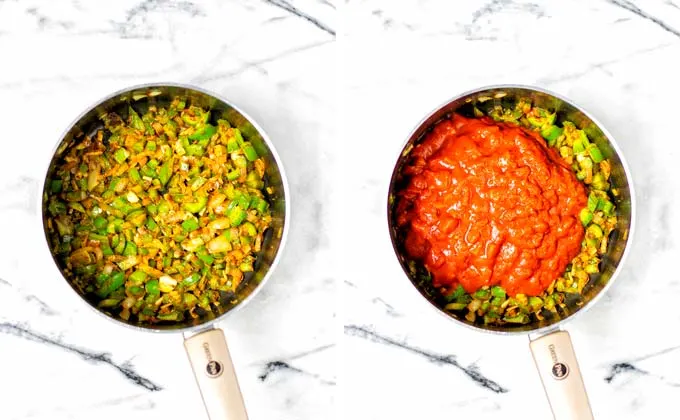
[(486, 204)]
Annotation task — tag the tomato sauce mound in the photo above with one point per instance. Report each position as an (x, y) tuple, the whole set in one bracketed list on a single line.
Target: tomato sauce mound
[(488, 203)]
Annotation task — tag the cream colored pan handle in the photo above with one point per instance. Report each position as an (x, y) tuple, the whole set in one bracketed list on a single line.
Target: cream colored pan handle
[(556, 362), (214, 371)]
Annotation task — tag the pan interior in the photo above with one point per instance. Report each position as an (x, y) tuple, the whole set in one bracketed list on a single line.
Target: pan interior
[(161, 95), (508, 96)]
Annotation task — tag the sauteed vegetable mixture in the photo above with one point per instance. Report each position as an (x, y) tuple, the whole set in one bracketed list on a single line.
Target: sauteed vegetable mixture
[(509, 212), (158, 217)]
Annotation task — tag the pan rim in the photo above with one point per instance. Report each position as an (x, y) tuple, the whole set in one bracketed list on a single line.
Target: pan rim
[(207, 324), (631, 230)]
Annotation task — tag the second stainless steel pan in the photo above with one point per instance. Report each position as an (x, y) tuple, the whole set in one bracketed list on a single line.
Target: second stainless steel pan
[(549, 341)]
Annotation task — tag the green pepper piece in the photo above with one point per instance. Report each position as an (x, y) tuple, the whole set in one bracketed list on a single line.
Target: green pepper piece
[(204, 132), (595, 153), (455, 306), (138, 277), (134, 175), (172, 316), (490, 317), (135, 121), (208, 259), (82, 184), (233, 175), (227, 234), (578, 147), (232, 145), (601, 203), (86, 270), (152, 287), (130, 249), (457, 292), (137, 217), (120, 203), (148, 171), (592, 202), (197, 205), (195, 150), (138, 147), (163, 207), (114, 183), (497, 301), (109, 303), (482, 294), (100, 223), (237, 135), (190, 224), (190, 300), (101, 278), (607, 208), (249, 151), (249, 229), (76, 206), (99, 238), (121, 155), (106, 250), (191, 280), (151, 224), (260, 205), (586, 216), (244, 201), (115, 226), (551, 133), (115, 281), (236, 216), (136, 291), (75, 195), (517, 319), (536, 303), (166, 172), (595, 231), (498, 292), (121, 245), (56, 186)]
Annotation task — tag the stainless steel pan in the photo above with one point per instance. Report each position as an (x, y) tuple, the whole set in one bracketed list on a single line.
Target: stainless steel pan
[(205, 344), (550, 343)]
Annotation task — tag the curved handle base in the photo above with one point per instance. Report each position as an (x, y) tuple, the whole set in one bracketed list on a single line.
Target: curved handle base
[(556, 363)]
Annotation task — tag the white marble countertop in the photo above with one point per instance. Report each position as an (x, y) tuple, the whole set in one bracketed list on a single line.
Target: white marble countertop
[(274, 58), (616, 58)]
